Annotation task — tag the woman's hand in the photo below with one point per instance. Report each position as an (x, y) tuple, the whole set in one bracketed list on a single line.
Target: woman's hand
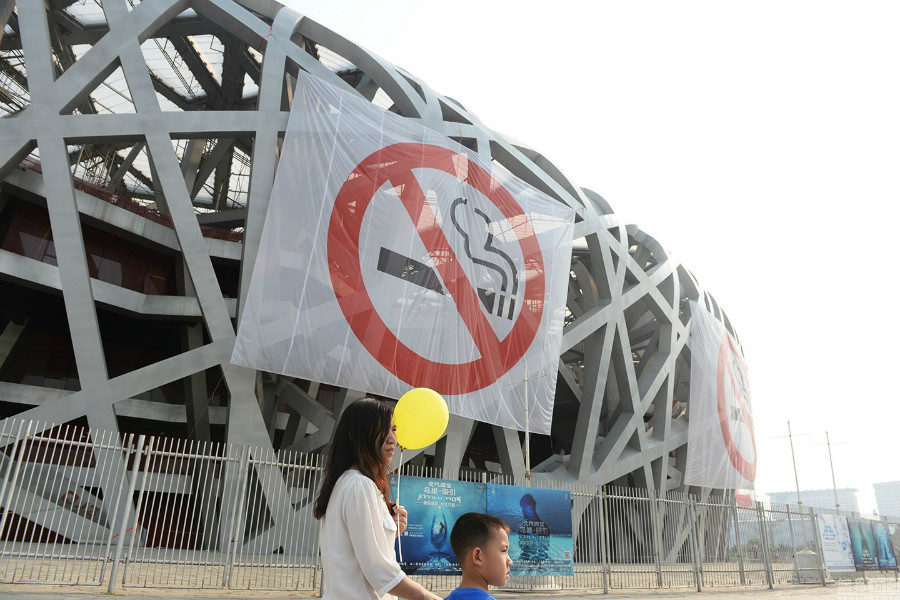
[(411, 590), (401, 515)]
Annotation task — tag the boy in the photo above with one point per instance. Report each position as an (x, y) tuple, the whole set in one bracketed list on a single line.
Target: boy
[(481, 545)]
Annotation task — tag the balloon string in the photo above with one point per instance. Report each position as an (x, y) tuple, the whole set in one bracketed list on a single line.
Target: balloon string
[(397, 515)]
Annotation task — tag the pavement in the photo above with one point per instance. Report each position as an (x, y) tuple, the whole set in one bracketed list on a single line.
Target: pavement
[(879, 589)]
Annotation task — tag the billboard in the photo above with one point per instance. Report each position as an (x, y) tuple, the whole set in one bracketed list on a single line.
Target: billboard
[(894, 532), (862, 539), (887, 558), (836, 546), (540, 522), (433, 506)]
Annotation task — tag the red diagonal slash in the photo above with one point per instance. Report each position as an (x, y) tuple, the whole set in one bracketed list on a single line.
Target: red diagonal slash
[(451, 272), (746, 468)]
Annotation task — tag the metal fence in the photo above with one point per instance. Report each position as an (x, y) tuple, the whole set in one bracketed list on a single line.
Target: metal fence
[(85, 507)]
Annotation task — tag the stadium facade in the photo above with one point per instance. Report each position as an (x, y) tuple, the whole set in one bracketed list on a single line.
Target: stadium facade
[(139, 142)]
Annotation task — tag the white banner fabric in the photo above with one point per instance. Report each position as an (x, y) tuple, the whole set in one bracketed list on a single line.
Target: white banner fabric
[(721, 449), (393, 258), (835, 536)]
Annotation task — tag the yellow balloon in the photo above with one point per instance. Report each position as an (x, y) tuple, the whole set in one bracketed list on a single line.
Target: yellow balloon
[(421, 417)]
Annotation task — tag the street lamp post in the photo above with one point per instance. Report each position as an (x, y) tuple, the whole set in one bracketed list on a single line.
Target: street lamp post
[(794, 459), (837, 505)]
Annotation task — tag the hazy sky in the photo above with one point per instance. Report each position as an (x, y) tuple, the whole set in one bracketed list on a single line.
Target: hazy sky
[(759, 141)]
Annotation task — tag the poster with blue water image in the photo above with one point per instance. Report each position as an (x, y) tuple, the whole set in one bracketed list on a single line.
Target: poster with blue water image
[(433, 506), (885, 553), (862, 540), (540, 523)]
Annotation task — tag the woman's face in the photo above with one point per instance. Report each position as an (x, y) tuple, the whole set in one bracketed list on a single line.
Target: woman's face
[(390, 443)]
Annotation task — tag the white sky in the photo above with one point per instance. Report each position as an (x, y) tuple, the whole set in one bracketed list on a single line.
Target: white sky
[(757, 140)]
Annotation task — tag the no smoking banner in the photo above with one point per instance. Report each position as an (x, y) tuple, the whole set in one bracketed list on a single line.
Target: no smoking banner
[(721, 445), (393, 258), (733, 404), (395, 165)]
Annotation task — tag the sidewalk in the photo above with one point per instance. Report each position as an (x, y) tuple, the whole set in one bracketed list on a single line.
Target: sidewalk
[(874, 590)]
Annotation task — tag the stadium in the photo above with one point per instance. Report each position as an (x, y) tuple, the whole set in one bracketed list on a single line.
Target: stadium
[(140, 141)]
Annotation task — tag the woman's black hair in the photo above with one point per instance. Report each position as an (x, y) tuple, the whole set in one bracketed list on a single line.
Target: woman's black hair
[(361, 431)]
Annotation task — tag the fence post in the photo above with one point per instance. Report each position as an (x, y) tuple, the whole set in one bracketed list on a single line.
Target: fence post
[(605, 560), (819, 551), (123, 528), (738, 541), (695, 543), (135, 529), (654, 502), (238, 515), (604, 555), (764, 534), (126, 448), (787, 509)]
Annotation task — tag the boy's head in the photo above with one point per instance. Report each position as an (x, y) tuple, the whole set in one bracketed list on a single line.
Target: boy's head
[(481, 545)]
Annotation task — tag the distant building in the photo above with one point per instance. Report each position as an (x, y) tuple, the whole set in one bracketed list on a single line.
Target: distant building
[(820, 499), (887, 498)]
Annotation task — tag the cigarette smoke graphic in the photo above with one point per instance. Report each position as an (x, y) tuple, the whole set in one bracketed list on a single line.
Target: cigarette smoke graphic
[(486, 255)]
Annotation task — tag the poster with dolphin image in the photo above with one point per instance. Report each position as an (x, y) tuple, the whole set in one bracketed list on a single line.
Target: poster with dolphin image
[(433, 506), (540, 523)]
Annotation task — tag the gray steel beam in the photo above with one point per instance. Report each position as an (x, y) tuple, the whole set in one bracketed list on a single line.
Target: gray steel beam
[(450, 449), (220, 152), (509, 449), (6, 9), (12, 333)]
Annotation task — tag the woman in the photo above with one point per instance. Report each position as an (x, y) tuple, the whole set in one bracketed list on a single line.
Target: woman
[(358, 531)]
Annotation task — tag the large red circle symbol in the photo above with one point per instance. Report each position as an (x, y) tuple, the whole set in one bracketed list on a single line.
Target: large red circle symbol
[(746, 468), (395, 164)]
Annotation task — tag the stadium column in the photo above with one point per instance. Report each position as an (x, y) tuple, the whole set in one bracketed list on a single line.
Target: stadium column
[(607, 277), (96, 398), (509, 450), (450, 449), (669, 347), (245, 424), (196, 393), (598, 352), (265, 150)]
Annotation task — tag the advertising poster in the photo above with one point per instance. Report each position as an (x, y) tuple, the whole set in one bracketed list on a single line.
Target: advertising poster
[(887, 559), (540, 522), (836, 547), (862, 540), (894, 531), (433, 506)]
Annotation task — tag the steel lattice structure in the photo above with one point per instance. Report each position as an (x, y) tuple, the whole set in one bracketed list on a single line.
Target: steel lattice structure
[(159, 123)]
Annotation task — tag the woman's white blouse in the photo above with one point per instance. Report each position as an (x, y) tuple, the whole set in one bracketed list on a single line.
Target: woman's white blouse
[(357, 541)]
